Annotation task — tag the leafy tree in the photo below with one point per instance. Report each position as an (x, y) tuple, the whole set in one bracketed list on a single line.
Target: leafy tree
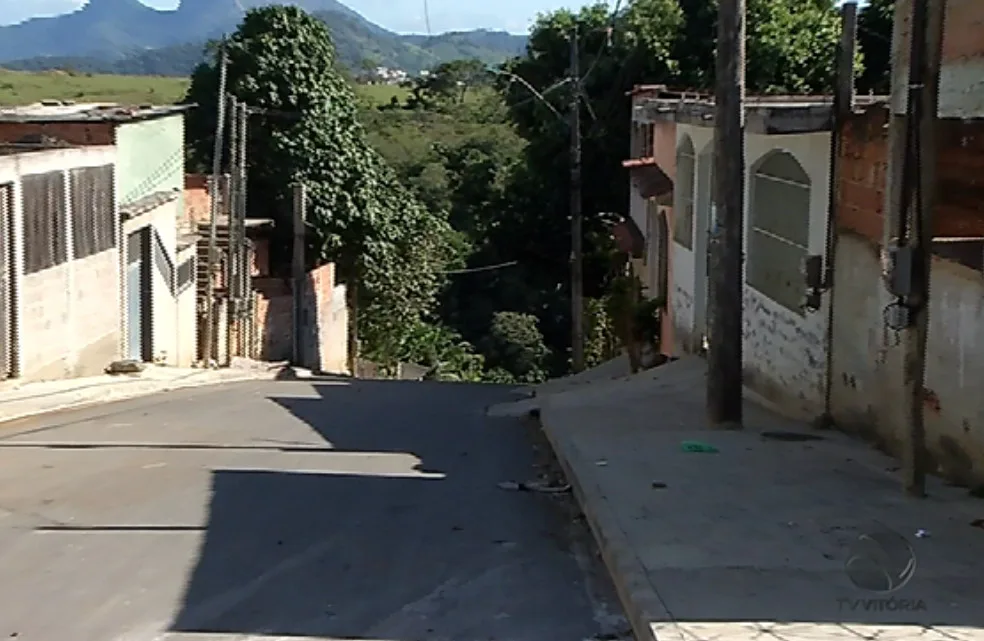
[(515, 345), (448, 84), (388, 249)]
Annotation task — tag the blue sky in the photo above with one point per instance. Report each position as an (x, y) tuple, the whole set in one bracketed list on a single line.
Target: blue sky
[(397, 15)]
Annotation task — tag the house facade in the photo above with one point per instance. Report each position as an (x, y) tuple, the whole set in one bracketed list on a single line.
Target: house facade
[(787, 156), (815, 304), (156, 260), (60, 306)]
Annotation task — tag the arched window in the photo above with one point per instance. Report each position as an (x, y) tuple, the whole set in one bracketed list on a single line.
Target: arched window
[(780, 228), (683, 194)]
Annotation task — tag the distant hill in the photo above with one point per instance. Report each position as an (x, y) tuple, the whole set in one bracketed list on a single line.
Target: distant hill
[(127, 37)]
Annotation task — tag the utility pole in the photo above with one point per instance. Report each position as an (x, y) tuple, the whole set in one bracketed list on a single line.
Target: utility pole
[(300, 207), (844, 98), (724, 355), (209, 342), (242, 286), (577, 249), (913, 245), (230, 211)]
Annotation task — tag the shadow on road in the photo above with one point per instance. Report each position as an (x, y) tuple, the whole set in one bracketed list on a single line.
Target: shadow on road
[(421, 544)]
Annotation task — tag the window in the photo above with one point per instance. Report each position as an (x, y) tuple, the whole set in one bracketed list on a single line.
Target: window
[(643, 140), (683, 205), (186, 274), (93, 228), (780, 226), (45, 245)]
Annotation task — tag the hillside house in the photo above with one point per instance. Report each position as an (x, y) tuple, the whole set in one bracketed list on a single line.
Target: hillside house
[(60, 305), (792, 199), (156, 261)]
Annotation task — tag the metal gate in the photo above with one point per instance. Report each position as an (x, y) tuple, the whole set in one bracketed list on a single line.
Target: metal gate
[(7, 333)]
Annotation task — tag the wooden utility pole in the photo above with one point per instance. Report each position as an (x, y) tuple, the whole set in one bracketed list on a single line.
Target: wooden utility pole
[(231, 271), (844, 96), (242, 289), (300, 210), (213, 250), (724, 354), (915, 212), (577, 249)]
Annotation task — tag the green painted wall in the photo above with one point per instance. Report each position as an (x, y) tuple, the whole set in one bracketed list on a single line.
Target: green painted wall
[(150, 157)]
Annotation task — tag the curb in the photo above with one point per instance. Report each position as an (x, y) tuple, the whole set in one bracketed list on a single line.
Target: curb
[(138, 392), (642, 604)]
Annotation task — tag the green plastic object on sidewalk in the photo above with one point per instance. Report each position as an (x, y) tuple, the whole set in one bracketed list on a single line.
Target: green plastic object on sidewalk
[(698, 447)]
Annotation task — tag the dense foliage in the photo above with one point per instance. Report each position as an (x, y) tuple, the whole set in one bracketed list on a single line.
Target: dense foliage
[(388, 248)]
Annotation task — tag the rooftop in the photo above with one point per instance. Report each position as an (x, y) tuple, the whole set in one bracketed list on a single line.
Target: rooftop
[(58, 111), (763, 114)]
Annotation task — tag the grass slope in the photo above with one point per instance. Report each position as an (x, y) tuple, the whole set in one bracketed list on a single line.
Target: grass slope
[(24, 88)]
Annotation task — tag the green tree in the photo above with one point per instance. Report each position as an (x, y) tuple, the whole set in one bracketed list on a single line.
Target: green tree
[(515, 345), (388, 249)]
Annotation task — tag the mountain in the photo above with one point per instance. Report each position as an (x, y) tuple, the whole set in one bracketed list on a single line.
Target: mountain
[(125, 36)]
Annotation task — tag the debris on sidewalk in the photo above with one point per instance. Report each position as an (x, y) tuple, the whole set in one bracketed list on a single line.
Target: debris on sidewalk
[(698, 447), (922, 534), (534, 486), (128, 366)]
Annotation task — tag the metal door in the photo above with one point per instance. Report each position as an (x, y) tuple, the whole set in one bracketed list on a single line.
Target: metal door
[(6, 283), (134, 296)]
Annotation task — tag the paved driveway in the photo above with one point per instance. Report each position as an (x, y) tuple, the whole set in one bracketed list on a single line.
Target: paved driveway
[(315, 509)]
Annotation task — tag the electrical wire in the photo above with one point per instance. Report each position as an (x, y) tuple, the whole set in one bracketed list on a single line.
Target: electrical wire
[(486, 268)]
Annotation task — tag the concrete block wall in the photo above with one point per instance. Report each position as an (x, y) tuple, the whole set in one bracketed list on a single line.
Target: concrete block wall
[(962, 73), (325, 319), (866, 392), (68, 318)]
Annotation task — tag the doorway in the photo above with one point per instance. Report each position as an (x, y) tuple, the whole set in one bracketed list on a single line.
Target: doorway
[(138, 327)]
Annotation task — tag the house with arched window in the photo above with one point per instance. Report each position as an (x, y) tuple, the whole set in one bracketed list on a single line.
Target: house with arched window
[(787, 164)]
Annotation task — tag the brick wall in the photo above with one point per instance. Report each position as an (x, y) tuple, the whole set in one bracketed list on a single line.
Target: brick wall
[(868, 389), (197, 205), (960, 177), (325, 337), (863, 168), (76, 133)]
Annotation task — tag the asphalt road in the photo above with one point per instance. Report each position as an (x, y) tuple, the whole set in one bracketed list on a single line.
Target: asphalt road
[(294, 509)]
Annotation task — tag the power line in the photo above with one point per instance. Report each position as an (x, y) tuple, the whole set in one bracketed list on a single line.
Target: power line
[(486, 268), (427, 19)]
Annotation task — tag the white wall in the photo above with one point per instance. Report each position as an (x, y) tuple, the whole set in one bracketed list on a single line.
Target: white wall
[(783, 350), (164, 305), (68, 316)]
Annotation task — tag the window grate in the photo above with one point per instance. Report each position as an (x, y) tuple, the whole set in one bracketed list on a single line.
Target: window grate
[(45, 219)]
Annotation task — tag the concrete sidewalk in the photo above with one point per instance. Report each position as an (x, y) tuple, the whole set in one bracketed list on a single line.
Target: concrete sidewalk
[(22, 400), (753, 539)]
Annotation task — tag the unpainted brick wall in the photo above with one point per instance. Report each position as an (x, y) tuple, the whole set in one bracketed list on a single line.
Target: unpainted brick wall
[(325, 335), (76, 133), (196, 199), (863, 174)]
